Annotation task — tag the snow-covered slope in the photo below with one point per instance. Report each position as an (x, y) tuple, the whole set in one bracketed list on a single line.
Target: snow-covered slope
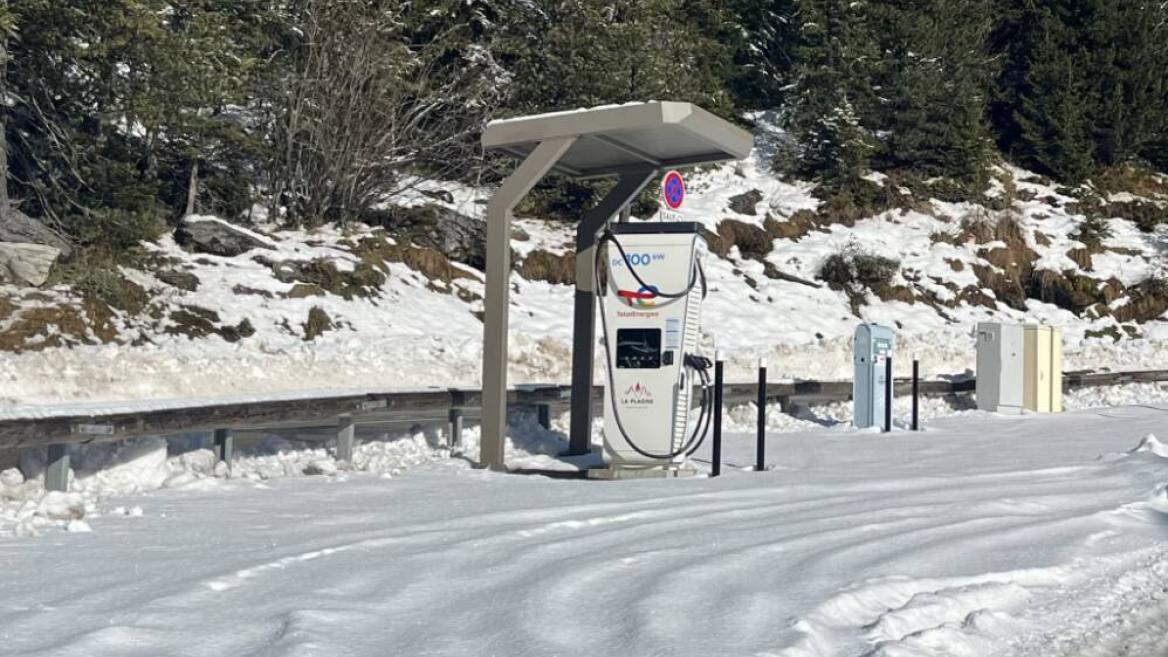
[(418, 327)]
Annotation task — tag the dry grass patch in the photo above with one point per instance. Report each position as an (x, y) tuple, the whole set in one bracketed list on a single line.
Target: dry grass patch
[(540, 265)]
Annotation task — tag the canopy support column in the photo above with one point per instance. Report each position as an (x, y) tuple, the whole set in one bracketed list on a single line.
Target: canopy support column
[(629, 184), (497, 300)]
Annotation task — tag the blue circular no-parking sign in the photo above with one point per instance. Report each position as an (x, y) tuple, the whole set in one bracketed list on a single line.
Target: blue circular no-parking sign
[(673, 189)]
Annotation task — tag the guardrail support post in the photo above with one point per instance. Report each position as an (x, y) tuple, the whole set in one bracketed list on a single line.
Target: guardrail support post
[(916, 389), (346, 433), (716, 458), (888, 383), (760, 449), (454, 428), (544, 413), (57, 470), (224, 445)]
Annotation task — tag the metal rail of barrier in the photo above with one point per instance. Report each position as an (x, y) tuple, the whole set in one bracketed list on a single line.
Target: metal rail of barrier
[(383, 407)]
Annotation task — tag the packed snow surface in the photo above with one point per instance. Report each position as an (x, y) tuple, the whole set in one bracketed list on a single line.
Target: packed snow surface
[(1025, 536)]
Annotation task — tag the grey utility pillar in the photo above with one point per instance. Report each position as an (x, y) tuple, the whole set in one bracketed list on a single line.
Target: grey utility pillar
[(346, 436), (57, 468), (584, 317), (633, 143)]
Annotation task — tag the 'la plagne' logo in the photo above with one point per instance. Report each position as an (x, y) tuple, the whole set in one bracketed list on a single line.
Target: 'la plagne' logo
[(637, 395)]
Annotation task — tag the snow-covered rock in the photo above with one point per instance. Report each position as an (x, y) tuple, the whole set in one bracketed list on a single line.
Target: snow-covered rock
[(11, 478), (217, 237), (56, 505), (321, 467)]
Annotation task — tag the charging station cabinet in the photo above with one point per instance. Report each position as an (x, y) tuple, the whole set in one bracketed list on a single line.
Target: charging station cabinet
[(1000, 361), (873, 346), (648, 336)]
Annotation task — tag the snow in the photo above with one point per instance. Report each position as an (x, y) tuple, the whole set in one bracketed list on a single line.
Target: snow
[(1020, 536)]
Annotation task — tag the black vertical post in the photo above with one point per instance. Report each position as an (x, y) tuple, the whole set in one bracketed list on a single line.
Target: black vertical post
[(760, 453), (916, 394), (888, 394), (716, 465)]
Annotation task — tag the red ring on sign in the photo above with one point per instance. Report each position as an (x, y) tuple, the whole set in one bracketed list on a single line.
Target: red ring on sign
[(673, 190)]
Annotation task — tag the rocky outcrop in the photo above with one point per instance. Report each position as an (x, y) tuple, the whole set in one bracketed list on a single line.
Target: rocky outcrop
[(217, 237), (746, 203), (16, 226), (26, 264), (459, 237)]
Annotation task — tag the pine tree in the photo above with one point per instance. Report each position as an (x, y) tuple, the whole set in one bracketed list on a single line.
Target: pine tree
[(763, 38), (934, 76), (580, 53), (1083, 83), (1126, 52), (832, 92)]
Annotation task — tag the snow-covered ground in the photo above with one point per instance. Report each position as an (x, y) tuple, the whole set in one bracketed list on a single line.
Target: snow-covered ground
[(1030, 536)]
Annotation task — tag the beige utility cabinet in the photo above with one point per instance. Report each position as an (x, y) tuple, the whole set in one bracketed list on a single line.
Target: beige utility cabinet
[(1019, 367), (1042, 355)]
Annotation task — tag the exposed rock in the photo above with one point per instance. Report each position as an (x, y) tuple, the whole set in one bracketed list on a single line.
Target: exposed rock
[(752, 241), (745, 203), (461, 238), (304, 290), (318, 322), (23, 263), (217, 237), (236, 333), (16, 226), (183, 280), (1147, 301), (322, 274), (243, 289), (795, 227)]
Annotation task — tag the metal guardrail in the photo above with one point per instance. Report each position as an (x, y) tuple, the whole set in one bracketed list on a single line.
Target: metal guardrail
[(383, 407)]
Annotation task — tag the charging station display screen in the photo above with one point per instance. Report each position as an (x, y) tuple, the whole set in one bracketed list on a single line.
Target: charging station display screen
[(638, 348)]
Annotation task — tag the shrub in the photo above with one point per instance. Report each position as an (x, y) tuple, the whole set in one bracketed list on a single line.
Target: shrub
[(118, 229), (873, 270), (1094, 230), (836, 271), (852, 269)]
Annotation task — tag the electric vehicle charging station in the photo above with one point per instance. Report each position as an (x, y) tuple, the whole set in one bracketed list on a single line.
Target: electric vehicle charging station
[(873, 345), (634, 143), (650, 310)]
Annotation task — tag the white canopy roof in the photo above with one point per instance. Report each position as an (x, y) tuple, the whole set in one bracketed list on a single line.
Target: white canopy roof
[(615, 138)]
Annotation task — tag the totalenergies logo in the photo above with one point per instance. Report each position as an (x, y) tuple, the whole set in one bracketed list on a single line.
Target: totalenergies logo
[(646, 297)]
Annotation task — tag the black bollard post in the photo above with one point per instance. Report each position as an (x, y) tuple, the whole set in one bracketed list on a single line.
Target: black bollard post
[(760, 453), (716, 465), (916, 395), (888, 394)]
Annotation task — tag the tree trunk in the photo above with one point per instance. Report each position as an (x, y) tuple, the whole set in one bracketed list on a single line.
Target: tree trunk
[(3, 119), (193, 188)]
